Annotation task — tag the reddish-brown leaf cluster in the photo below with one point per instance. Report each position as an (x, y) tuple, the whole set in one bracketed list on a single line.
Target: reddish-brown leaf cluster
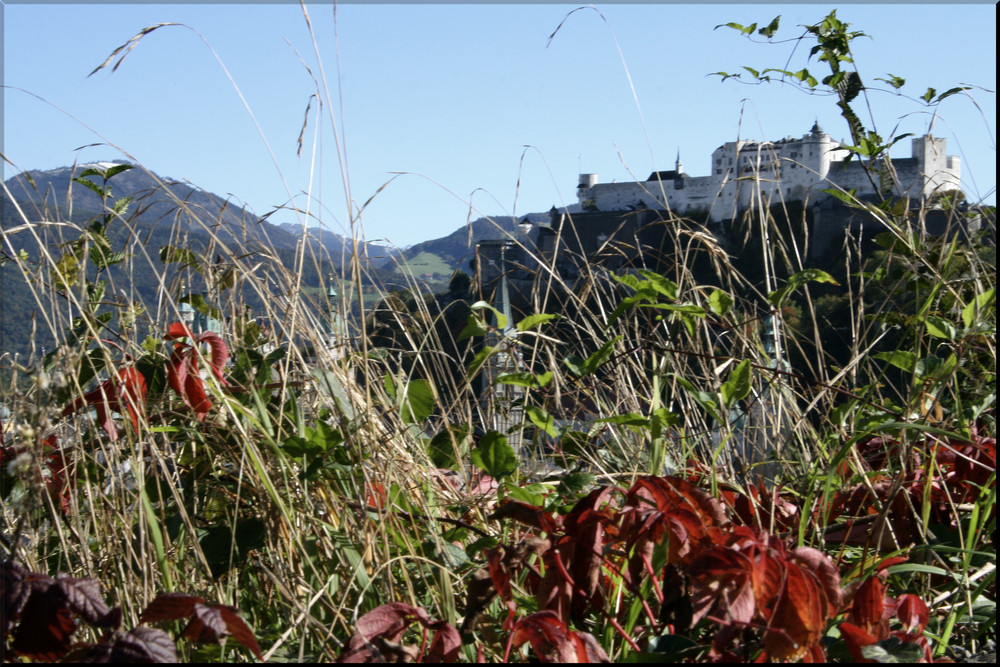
[(870, 613), (183, 372), (667, 531), (39, 615), (946, 473), (124, 394), (379, 634)]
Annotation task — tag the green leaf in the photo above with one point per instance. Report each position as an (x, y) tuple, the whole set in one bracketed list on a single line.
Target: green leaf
[(950, 92), (706, 400), (978, 307), (892, 650), (797, 280), (525, 379), (940, 327), (448, 446), (501, 319), (117, 169), (479, 360), (929, 95), (94, 187), (575, 484), (737, 387), (197, 301), (121, 205), (896, 82), (849, 197), (720, 302), (474, 326), (418, 402), (902, 359), (934, 368), (587, 366), (770, 29), (629, 419), (661, 284), (532, 321), (172, 254), (542, 420), (734, 26), (494, 456)]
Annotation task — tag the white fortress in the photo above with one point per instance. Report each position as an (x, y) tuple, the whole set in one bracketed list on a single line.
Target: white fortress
[(747, 174)]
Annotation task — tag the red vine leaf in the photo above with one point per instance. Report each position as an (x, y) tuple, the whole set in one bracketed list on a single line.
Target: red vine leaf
[(183, 372), (170, 607), (913, 613), (124, 394), (83, 596), (144, 645)]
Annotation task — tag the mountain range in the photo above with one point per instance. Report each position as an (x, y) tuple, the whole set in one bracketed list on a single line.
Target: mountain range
[(169, 212)]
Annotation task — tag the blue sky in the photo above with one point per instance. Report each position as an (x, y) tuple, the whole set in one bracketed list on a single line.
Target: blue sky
[(472, 101)]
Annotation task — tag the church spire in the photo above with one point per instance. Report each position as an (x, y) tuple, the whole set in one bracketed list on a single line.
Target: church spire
[(678, 167)]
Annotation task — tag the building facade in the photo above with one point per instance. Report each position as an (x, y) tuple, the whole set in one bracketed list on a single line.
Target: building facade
[(747, 174)]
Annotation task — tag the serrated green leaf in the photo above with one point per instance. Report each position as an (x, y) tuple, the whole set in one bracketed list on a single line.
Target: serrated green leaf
[(170, 254), (494, 456), (575, 483), (117, 169), (120, 206), (90, 185)]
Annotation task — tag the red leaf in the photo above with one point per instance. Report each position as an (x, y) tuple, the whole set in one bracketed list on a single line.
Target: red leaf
[(219, 353), (826, 573), (178, 330), (15, 589), (913, 612), (389, 621), (380, 630), (856, 639), (547, 635), (144, 645), (238, 629), (798, 620), (587, 648), (207, 625), (125, 394), (868, 608), (46, 626), (446, 643), (83, 597), (529, 515), (170, 607), (722, 578)]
